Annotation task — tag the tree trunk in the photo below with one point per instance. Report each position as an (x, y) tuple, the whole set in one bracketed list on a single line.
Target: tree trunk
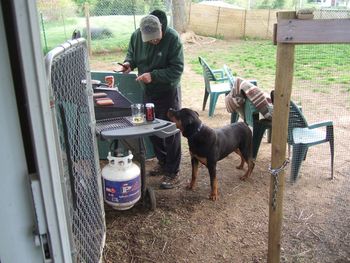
[(179, 16)]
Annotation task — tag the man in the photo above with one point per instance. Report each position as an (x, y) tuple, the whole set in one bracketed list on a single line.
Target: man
[(156, 51)]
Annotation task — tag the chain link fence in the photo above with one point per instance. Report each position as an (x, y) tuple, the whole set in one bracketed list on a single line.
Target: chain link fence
[(233, 23), (109, 24), (81, 175), (332, 14), (316, 215)]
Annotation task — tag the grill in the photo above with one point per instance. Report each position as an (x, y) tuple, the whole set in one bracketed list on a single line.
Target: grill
[(120, 108), (125, 129), (112, 124), (131, 135)]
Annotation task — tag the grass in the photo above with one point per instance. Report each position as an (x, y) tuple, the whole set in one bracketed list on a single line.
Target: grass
[(107, 60), (248, 56), (328, 64), (254, 59), (57, 32), (322, 64), (54, 33)]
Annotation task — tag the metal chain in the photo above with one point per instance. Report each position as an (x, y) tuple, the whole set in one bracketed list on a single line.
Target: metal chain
[(274, 173)]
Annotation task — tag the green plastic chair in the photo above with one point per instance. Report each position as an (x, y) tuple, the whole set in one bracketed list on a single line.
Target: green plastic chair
[(231, 80), (252, 118), (301, 136), (215, 84), (228, 72)]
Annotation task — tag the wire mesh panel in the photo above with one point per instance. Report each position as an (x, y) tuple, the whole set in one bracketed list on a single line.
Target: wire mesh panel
[(331, 13), (320, 113), (321, 90), (67, 67), (113, 22)]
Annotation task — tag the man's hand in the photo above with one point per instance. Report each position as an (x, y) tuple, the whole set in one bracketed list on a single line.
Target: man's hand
[(145, 78), (125, 67)]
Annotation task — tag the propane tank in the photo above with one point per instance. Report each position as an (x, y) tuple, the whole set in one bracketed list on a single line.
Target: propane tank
[(121, 182)]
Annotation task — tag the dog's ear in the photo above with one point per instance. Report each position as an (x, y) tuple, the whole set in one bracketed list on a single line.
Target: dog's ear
[(196, 113)]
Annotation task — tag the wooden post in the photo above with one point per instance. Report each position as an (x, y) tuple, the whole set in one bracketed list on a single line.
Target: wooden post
[(189, 14), (133, 13), (283, 89), (88, 30), (268, 23), (244, 22), (217, 23)]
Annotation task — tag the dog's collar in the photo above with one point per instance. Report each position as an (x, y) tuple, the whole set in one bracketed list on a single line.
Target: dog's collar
[(195, 132)]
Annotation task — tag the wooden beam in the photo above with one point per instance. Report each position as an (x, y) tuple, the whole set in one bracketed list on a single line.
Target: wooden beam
[(283, 89), (313, 31)]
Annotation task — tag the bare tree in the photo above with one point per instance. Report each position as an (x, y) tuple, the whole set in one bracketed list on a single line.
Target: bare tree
[(179, 16)]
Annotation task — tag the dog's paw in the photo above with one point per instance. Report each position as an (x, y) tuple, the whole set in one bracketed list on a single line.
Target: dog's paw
[(243, 178), (213, 197), (190, 187), (239, 167)]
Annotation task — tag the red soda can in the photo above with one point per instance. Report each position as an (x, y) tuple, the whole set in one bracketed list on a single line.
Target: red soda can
[(109, 81), (150, 115)]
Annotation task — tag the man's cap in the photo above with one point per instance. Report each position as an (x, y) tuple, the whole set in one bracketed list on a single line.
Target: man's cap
[(150, 28)]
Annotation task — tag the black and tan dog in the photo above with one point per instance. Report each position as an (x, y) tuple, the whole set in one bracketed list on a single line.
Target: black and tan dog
[(208, 145)]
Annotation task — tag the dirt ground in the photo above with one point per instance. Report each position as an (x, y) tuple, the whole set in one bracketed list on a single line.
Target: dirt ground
[(187, 227)]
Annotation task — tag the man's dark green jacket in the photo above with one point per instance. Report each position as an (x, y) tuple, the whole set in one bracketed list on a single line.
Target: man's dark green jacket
[(164, 61)]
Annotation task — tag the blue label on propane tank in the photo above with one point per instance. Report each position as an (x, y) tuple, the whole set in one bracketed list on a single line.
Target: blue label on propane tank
[(122, 192)]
